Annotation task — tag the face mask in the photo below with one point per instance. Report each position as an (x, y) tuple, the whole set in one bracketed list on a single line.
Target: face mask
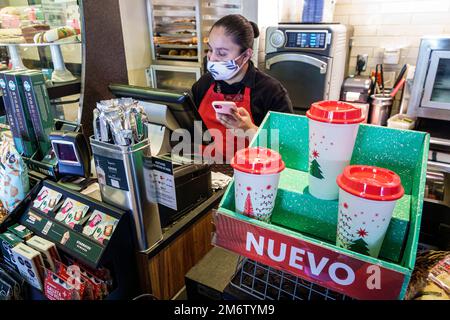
[(223, 70)]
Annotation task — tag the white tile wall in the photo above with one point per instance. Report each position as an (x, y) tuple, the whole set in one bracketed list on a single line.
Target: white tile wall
[(380, 24)]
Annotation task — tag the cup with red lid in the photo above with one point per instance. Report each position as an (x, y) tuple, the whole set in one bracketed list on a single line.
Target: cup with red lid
[(257, 173), (333, 126), (367, 198)]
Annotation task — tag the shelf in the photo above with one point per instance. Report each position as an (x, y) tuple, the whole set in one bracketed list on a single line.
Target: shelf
[(176, 24), (177, 46), (177, 35), (39, 44), (165, 56), (174, 13)]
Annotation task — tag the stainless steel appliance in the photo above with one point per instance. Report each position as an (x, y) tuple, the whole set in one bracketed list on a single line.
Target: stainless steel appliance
[(430, 95), (308, 59)]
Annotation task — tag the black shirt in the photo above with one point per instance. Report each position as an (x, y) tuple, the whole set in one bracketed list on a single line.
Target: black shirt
[(267, 93)]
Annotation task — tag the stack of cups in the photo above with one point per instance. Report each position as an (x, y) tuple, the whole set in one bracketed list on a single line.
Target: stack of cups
[(367, 198), (256, 173), (333, 126)]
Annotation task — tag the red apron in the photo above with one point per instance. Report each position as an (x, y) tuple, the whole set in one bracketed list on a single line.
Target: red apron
[(216, 129)]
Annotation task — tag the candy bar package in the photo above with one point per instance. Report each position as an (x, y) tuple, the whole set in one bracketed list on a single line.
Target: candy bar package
[(47, 200), (75, 279), (8, 241), (100, 226), (72, 213), (47, 249), (14, 181), (56, 288), (21, 231), (30, 264)]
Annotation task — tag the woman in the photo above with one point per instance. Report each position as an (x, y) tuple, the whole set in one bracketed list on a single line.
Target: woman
[(233, 77)]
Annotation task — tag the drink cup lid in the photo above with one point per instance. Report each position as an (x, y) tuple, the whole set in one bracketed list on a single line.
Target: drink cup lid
[(335, 112), (258, 160), (371, 183)]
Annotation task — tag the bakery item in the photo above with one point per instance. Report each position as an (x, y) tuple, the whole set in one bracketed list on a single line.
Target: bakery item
[(28, 32), (173, 52), (54, 34)]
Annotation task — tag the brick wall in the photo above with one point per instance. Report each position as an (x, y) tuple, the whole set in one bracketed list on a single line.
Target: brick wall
[(380, 24)]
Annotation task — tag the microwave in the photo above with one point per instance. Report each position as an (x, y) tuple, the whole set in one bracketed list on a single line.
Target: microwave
[(430, 94)]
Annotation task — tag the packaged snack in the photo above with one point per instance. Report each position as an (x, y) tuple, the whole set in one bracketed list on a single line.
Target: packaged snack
[(100, 226), (72, 212), (75, 279), (6, 290), (8, 241), (47, 249), (47, 200), (56, 288), (30, 264), (14, 181), (21, 231)]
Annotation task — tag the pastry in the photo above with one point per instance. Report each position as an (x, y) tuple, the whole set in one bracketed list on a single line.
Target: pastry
[(28, 32), (173, 52)]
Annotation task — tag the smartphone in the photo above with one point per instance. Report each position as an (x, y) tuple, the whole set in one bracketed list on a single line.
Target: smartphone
[(224, 107)]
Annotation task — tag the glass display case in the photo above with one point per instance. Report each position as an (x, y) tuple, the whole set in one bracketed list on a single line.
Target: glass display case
[(179, 31), (45, 35)]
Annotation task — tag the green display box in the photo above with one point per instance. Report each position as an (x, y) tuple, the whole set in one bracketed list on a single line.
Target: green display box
[(300, 216)]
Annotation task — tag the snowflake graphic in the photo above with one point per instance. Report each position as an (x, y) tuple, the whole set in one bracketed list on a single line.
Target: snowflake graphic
[(362, 232)]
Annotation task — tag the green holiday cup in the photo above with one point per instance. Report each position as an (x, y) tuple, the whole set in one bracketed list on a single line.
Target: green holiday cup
[(367, 198), (333, 126), (256, 176)]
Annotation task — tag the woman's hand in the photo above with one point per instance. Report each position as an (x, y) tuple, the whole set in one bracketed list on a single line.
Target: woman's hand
[(240, 119)]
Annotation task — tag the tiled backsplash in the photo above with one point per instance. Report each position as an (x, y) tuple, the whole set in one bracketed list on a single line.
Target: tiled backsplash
[(397, 24)]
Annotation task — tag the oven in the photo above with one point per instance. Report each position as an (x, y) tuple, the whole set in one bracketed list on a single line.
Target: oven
[(308, 59), (430, 94)]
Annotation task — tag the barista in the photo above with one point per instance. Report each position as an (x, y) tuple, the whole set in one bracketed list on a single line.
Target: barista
[(232, 76)]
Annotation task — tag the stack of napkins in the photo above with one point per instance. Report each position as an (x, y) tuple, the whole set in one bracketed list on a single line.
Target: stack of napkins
[(219, 180)]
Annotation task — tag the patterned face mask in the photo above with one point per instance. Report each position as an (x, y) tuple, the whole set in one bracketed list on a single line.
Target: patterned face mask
[(224, 70)]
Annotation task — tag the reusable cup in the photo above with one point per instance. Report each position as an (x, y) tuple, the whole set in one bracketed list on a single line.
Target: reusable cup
[(333, 126), (367, 198), (256, 173)]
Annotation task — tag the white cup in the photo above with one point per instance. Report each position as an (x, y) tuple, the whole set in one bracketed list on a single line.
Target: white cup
[(256, 174), (333, 127), (367, 198)]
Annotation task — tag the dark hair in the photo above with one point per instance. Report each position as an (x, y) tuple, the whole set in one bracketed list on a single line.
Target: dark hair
[(240, 29)]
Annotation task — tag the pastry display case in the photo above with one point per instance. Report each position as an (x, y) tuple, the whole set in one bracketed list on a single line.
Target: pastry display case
[(179, 36)]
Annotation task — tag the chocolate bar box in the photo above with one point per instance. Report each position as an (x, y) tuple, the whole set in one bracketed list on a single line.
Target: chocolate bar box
[(30, 264)]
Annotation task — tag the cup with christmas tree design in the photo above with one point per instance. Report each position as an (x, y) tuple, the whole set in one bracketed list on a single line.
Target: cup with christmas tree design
[(333, 126), (367, 198), (256, 176)]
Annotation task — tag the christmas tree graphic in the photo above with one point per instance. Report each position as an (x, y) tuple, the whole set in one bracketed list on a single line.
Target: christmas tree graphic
[(248, 208), (314, 170), (360, 246)]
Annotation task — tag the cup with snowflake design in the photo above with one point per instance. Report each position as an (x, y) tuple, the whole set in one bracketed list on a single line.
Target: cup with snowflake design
[(367, 198), (256, 173), (333, 126)]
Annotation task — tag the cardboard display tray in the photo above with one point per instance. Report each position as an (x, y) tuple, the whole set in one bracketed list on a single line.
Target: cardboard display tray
[(301, 236)]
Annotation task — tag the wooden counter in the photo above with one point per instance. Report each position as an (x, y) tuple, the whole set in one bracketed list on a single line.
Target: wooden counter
[(162, 268)]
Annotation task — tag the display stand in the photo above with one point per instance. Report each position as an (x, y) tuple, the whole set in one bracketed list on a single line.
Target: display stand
[(117, 253), (308, 251)]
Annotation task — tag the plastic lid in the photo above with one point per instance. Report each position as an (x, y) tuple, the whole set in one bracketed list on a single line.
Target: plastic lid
[(258, 160), (371, 183), (335, 112)]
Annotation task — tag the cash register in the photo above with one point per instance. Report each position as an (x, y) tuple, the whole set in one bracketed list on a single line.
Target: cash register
[(168, 111)]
